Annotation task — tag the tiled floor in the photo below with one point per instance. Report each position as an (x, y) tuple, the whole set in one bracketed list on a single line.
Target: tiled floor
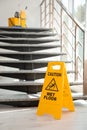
[(26, 119)]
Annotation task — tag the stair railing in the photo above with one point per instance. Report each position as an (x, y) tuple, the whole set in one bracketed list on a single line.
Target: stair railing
[(72, 35)]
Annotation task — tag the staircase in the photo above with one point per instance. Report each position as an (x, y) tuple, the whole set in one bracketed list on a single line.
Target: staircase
[(24, 55)]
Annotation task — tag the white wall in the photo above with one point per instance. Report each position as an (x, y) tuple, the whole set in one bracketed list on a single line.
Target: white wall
[(8, 8)]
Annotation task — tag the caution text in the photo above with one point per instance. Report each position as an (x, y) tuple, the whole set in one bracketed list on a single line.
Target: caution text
[(54, 74), (50, 96)]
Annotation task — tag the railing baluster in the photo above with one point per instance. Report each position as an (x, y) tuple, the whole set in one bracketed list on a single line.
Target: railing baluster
[(49, 13), (76, 67), (40, 16), (45, 14), (61, 14), (52, 13)]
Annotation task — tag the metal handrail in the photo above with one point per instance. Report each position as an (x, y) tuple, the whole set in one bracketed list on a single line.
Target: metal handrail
[(61, 23), (70, 15)]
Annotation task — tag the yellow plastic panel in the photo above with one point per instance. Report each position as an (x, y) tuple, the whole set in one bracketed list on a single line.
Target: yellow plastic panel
[(55, 92)]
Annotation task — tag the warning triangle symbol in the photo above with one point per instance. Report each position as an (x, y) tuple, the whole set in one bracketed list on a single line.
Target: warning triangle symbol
[(52, 86)]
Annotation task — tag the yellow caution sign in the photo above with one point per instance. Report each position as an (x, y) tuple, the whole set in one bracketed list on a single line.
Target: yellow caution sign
[(56, 92)]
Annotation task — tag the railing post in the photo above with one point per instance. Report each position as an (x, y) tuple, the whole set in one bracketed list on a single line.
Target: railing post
[(52, 13), (85, 59), (61, 28), (85, 66), (49, 13), (40, 15), (76, 59), (45, 13)]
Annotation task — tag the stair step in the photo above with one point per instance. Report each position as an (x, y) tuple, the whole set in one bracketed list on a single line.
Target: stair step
[(19, 29), (26, 34), (22, 86), (29, 61), (28, 40), (76, 83), (26, 64), (30, 55), (21, 83), (29, 100), (26, 74), (28, 47), (25, 86), (7, 96), (24, 100)]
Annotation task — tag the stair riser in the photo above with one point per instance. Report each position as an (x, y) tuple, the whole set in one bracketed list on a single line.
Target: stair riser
[(25, 66), (27, 41), (14, 35), (27, 77), (28, 56), (26, 88), (26, 48), (19, 29)]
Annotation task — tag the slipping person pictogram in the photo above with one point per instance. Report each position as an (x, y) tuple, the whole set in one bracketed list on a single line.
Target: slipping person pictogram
[(52, 86)]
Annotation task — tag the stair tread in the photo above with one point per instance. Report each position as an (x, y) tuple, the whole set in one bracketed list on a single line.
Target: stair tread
[(33, 53), (76, 83), (19, 97), (28, 33), (31, 83), (31, 97), (24, 29), (29, 39), (28, 71), (29, 45), (22, 83), (21, 72), (28, 61), (22, 98)]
